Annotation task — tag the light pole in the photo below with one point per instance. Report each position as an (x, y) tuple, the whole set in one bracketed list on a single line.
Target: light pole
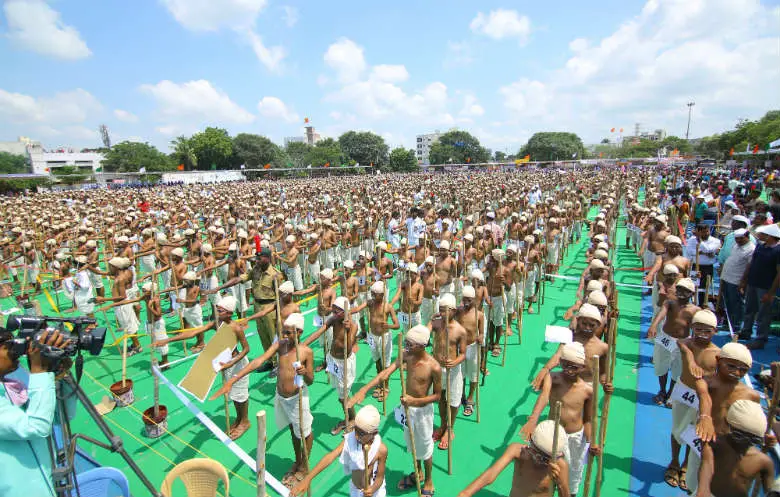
[(690, 109)]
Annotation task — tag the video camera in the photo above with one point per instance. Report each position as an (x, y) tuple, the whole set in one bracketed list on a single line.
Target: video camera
[(31, 328)]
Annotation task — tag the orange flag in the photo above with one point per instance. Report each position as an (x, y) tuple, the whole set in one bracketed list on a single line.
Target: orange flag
[(327, 164), (180, 167), (731, 152), (267, 166), (612, 130)]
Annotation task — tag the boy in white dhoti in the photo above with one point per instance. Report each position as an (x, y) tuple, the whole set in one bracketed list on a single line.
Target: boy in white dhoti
[(364, 443), (295, 374)]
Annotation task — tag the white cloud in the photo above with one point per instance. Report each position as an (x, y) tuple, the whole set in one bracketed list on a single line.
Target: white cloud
[(125, 116), (74, 106), (389, 73), (270, 57), (212, 15), (459, 54), (501, 23), (471, 107), (346, 58), (196, 101), (274, 108), (168, 130), (655, 62), (34, 25), (290, 16)]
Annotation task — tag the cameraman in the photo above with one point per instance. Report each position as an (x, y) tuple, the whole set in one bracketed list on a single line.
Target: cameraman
[(26, 415)]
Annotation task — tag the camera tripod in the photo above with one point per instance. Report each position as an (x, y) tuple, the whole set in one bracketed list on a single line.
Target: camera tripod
[(63, 451)]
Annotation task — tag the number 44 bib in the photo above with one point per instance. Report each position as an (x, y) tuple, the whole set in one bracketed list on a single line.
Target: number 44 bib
[(685, 395)]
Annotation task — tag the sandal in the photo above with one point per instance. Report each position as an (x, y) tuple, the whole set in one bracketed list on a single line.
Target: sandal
[(197, 348), (438, 433), (408, 482), (444, 444), (468, 410), (338, 428), (681, 483), (428, 492), (288, 480), (671, 476), (659, 399), (496, 351)]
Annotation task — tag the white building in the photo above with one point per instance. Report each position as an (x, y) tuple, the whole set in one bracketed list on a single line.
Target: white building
[(424, 143), (44, 162)]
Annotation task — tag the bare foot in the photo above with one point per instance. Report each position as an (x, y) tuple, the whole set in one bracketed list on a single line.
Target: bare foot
[(239, 430)]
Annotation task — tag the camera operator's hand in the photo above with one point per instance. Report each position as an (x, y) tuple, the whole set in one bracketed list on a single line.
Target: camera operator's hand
[(37, 363)]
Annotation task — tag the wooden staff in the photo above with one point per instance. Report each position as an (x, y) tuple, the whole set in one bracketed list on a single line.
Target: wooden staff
[(124, 359), (521, 302), (556, 413), (224, 374), (772, 411), (344, 369), (366, 473), (447, 379), (260, 457), (506, 323), (479, 349), (605, 407), (593, 419), (406, 411)]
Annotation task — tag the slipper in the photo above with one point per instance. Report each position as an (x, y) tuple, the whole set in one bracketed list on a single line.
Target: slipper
[(338, 428), (681, 483), (496, 351), (408, 482), (288, 480), (670, 476), (427, 492), (438, 433), (468, 410), (197, 348)]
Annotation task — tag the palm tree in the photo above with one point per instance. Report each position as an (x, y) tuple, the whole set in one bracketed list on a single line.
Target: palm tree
[(184, 153)]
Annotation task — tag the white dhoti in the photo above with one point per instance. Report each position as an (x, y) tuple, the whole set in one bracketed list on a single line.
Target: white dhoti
[(421, 421), (406, 321), (239, 293), (552, 253), (377, 351), (455, 384), (147, 263), (82, 297), (240, 390), (336, 374), (575, 451), (158, 334), (210, 283), (222, 274), (330, 258), (314, 270), (352, 458), (286, 413), (294, 274), (666, 357), (448, 288), (510, 298), (127, 319), (428, 308), (193, 315), (96, 280), (497, 312), (529, 292), (471, 364)]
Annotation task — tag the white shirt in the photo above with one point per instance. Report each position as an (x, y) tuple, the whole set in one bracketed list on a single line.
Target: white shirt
[(708, 251), (734, 267)]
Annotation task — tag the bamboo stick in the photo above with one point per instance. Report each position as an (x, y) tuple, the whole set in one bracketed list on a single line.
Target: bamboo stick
[(556, 414), (447, 379), (593, 421), (260, 456)]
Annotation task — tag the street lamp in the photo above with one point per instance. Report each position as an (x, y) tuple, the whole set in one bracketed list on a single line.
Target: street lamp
[(690, 109)]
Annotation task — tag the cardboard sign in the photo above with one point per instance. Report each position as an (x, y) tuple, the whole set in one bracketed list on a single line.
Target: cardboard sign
[(200, 378)]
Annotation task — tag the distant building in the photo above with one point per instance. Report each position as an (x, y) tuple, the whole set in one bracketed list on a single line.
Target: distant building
[(310, 137), (424, 143), (45, 162), (655, 135), (22, 146)]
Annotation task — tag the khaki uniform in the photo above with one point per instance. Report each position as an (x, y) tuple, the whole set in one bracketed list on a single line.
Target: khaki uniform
[(263, 293)]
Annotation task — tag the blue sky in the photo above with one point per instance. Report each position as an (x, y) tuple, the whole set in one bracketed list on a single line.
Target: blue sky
[(152, 70)]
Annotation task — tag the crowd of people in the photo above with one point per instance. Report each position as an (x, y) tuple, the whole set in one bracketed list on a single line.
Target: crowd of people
[(433, 272)]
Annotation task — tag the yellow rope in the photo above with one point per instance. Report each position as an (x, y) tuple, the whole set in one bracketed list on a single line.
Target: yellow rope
[(184, 442)]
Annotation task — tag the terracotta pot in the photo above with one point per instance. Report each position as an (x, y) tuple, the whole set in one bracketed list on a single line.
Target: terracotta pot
[(123, 395), (155, 427)]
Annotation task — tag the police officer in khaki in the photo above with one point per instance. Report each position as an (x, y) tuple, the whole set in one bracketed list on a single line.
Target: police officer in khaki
[(263, 275)]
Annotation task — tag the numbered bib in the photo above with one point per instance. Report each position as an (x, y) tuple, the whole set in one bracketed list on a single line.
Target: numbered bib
[(318, 321), (666, 341), (685, 395), (689, 437), (400, 415), (361, 280), (403, 318), (333, 368), (371, 340)]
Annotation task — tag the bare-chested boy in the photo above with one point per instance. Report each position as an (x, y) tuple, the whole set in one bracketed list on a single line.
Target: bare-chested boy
[(423, 388), (575, 396), (410, 292), (125, 315), (295, 374), (536, 474), (450, 356), (473, 321), (675, 317)]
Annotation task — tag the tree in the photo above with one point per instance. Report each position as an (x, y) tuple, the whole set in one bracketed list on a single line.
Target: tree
[(325, 151), (458, 147), (297, 153), (184, 153), (130, 157), (12, 163), (69, 175), (500, 156), (605, 140), (364, 148), (745, 135), (553, 145), (255, 151), (403, 160), (213, 148)]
